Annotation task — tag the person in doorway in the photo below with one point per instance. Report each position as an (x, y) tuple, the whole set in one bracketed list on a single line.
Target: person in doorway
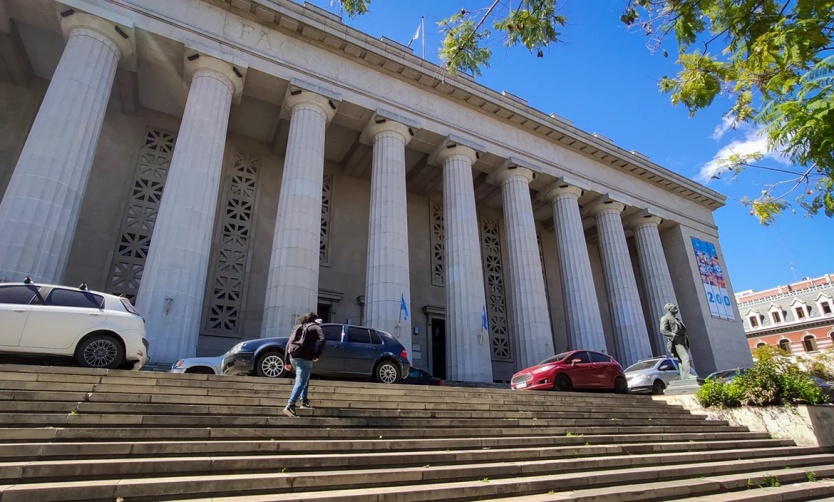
[(304, 348)]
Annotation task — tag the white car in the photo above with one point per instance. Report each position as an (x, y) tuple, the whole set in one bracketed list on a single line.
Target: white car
[(652, 376), (97, 329), (199, 365)]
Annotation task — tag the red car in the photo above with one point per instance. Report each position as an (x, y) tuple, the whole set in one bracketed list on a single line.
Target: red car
[(576, 369)]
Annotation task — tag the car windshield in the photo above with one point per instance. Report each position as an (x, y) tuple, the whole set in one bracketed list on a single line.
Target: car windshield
[(554, 359), (641, 365), (724, 373)]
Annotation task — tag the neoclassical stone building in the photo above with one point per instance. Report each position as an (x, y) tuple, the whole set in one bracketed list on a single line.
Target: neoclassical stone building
[(232, 163)]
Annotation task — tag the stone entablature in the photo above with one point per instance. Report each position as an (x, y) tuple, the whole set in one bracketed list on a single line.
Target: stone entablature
[(262, 30)]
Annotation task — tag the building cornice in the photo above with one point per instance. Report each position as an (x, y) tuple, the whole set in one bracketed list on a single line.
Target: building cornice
[(326, 29)]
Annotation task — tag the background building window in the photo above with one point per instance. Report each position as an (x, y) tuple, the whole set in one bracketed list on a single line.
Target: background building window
[(761, 344), (776, 317), (800, 313), (785, 345), (754, 323), (825, 307), (810, 343)]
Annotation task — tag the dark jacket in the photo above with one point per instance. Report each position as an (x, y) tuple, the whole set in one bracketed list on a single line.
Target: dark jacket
[(306, 343)]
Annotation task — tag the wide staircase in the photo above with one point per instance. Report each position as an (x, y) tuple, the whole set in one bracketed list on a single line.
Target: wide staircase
[(77, 434)]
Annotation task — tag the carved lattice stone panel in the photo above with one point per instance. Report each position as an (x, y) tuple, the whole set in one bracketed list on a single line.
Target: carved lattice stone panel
[(495, 290), (326, 198), (438, 234), (140, 215), (234, 243)]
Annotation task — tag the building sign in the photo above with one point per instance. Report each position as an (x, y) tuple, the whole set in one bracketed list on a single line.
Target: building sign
[(712, 277)]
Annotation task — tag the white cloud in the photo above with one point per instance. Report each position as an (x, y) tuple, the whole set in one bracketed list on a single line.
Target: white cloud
[(725, 125), (754, 141)]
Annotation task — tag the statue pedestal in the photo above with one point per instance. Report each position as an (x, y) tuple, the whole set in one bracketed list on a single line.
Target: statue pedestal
[(677, 387)]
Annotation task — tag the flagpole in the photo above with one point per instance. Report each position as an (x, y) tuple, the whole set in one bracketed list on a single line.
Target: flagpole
[(423, 29)]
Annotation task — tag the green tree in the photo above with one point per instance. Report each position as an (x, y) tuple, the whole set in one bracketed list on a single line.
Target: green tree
[(772, 59)]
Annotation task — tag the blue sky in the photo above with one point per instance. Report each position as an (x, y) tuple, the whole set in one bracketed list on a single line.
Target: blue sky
[(604, 79)]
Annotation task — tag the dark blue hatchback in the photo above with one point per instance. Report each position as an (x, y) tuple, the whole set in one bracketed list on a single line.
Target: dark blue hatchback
[(351, 351)]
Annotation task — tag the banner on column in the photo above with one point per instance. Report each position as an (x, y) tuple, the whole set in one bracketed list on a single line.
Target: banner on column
[(712, 277)]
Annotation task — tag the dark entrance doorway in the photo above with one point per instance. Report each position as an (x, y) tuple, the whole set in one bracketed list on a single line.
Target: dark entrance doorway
[(323, 310), (438, 347)]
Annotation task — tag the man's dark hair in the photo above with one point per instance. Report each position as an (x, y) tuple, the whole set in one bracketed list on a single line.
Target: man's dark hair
[(307, 318)]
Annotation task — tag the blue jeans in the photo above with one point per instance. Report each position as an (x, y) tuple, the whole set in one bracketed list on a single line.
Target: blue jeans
[(303, 368)]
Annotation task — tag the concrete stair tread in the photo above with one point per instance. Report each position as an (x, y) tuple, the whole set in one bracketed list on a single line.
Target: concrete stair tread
[(324, 408), (33, 451), (316, 420), (419, 484), (570, 458), (732, 487)]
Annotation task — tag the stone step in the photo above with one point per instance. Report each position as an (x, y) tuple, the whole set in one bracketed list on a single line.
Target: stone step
[(630, 444), (455, 482), (554, 460), (312, 420), (560, 400), (322, 409), (338, 401), (732, 487), (280, 428)]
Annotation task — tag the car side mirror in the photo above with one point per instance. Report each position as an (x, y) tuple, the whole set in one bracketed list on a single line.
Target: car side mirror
[(665, 367), (574, 361)]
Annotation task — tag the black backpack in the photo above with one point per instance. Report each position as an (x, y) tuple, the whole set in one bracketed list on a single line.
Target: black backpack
[(298, 340)]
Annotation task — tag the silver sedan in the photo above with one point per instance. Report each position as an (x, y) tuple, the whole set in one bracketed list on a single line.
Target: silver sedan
[(199, 365)]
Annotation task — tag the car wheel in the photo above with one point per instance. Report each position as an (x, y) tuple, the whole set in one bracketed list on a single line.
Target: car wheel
[(621, 385), (100, 351), (563, 383), (271, 365), (657, 387), (386, 372)]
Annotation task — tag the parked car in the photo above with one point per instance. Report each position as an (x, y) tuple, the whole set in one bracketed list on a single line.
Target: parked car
[(416, 376), (826, 387), (97, 329), (651, 376), (199, 365), (725, 376), (351, 351), (576, 369)]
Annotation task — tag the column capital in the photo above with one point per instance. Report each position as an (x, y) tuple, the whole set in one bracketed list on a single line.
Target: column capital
[(300, 92), (455, 145), (605, 204), (513, 167), (643, 218), (232, 74), (115, 29), (387, 121), (560, 191)]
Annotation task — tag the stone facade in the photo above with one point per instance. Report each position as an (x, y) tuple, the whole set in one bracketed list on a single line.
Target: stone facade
[(229, 164)]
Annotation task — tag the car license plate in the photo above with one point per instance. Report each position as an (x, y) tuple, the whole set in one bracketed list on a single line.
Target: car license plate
[(521, 385)]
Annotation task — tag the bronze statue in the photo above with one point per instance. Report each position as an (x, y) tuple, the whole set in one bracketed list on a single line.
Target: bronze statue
[(678, 343)]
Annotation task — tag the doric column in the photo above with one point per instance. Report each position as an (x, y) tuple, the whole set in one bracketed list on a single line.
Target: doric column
[(387, 282), (627, 319), (173, 283), (528, 303), (469, 355), (293, 282), (655, 274), (582, 314), (39, 212)]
